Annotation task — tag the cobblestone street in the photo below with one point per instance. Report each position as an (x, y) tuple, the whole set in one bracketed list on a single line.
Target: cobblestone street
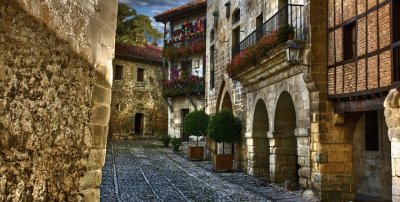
[(144, 171)]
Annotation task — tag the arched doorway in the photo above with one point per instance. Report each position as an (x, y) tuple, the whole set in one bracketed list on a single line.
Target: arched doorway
[(139, 123), (258, 156), (226, 103), (372, 158), (284, 143)]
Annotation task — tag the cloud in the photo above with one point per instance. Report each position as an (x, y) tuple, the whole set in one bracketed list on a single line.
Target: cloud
[(155, 11)]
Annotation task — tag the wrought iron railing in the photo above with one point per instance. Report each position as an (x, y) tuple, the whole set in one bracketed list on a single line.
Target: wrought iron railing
[(289, 14), (185, 41)]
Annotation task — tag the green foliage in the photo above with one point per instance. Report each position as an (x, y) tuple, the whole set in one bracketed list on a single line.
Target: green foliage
[(133, 28), (165, 139), (224, 127), (284, 32), (176, 142), (196, 123)]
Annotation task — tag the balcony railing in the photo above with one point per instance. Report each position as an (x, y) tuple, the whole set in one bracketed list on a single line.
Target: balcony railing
[(289, 14)]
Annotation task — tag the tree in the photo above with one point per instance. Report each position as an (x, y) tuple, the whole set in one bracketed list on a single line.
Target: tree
[(196, 123), (134, 28)]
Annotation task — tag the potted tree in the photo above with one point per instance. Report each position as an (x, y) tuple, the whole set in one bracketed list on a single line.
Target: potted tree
[(195, 123), (224, 128)]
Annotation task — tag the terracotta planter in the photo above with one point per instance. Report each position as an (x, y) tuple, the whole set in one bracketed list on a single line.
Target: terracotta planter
[(223, 162), (291, 36), (195, 153)]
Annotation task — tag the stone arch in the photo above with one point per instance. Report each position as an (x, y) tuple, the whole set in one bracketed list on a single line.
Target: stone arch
[(258, 155), (224, 100), (283, 159), (226, 103)]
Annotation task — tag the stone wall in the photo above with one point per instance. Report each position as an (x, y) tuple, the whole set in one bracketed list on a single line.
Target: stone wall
[(372, 169), (130, 97), (175, 125), (392, 115), (55, 94)]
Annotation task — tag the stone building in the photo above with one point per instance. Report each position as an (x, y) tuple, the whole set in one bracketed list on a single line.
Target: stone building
[(269, 92), (184, 49), (138, 109), (327, 123), (55, 94), (363, 71)]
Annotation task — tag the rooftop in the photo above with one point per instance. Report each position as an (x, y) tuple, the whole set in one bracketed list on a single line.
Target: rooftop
[(146, 53), (186, 8)]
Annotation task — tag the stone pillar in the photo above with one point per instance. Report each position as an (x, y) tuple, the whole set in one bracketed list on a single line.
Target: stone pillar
[(283, 158), (331, 157), (392, 114), (258, 157)]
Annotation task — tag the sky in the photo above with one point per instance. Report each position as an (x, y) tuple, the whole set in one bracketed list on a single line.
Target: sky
[(153, 7)]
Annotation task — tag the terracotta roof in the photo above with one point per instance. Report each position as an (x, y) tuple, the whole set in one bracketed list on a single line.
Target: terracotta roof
[(147, 53), (192, 5)]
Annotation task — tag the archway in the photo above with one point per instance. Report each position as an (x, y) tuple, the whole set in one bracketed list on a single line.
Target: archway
[(372, 158), (284, 143), (226, 103), (139, 124), (258, 156)]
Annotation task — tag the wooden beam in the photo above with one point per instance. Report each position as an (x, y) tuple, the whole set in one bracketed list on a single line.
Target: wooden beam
[(359, 105)]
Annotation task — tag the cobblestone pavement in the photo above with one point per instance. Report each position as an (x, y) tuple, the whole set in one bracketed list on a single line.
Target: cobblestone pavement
[(144, 171)]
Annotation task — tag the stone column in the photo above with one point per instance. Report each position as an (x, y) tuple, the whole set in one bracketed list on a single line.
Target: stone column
[(258, 157), (392, 114)]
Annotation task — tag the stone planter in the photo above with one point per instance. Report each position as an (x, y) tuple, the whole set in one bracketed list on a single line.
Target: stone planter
[(195, 153), (223, 162)]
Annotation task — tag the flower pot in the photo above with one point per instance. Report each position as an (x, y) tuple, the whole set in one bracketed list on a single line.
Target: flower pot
[(223, 162), (290, 36), (195, 153)]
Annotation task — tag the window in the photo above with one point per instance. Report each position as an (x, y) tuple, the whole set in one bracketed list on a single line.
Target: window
[(396, 20), (212, 35), (196, 64), (236, 37), (212, 67), (140, 75), (396, 63), (186, 67), (118, 72), (259, 29), (371, 131), (396, 40), (236, 16), (228, 9), (349, 42)]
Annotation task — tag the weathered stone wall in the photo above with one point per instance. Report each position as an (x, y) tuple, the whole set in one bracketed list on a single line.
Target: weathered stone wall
[(130, 96), (55, 95), (175, 115), (372, 169), (392, 115)]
